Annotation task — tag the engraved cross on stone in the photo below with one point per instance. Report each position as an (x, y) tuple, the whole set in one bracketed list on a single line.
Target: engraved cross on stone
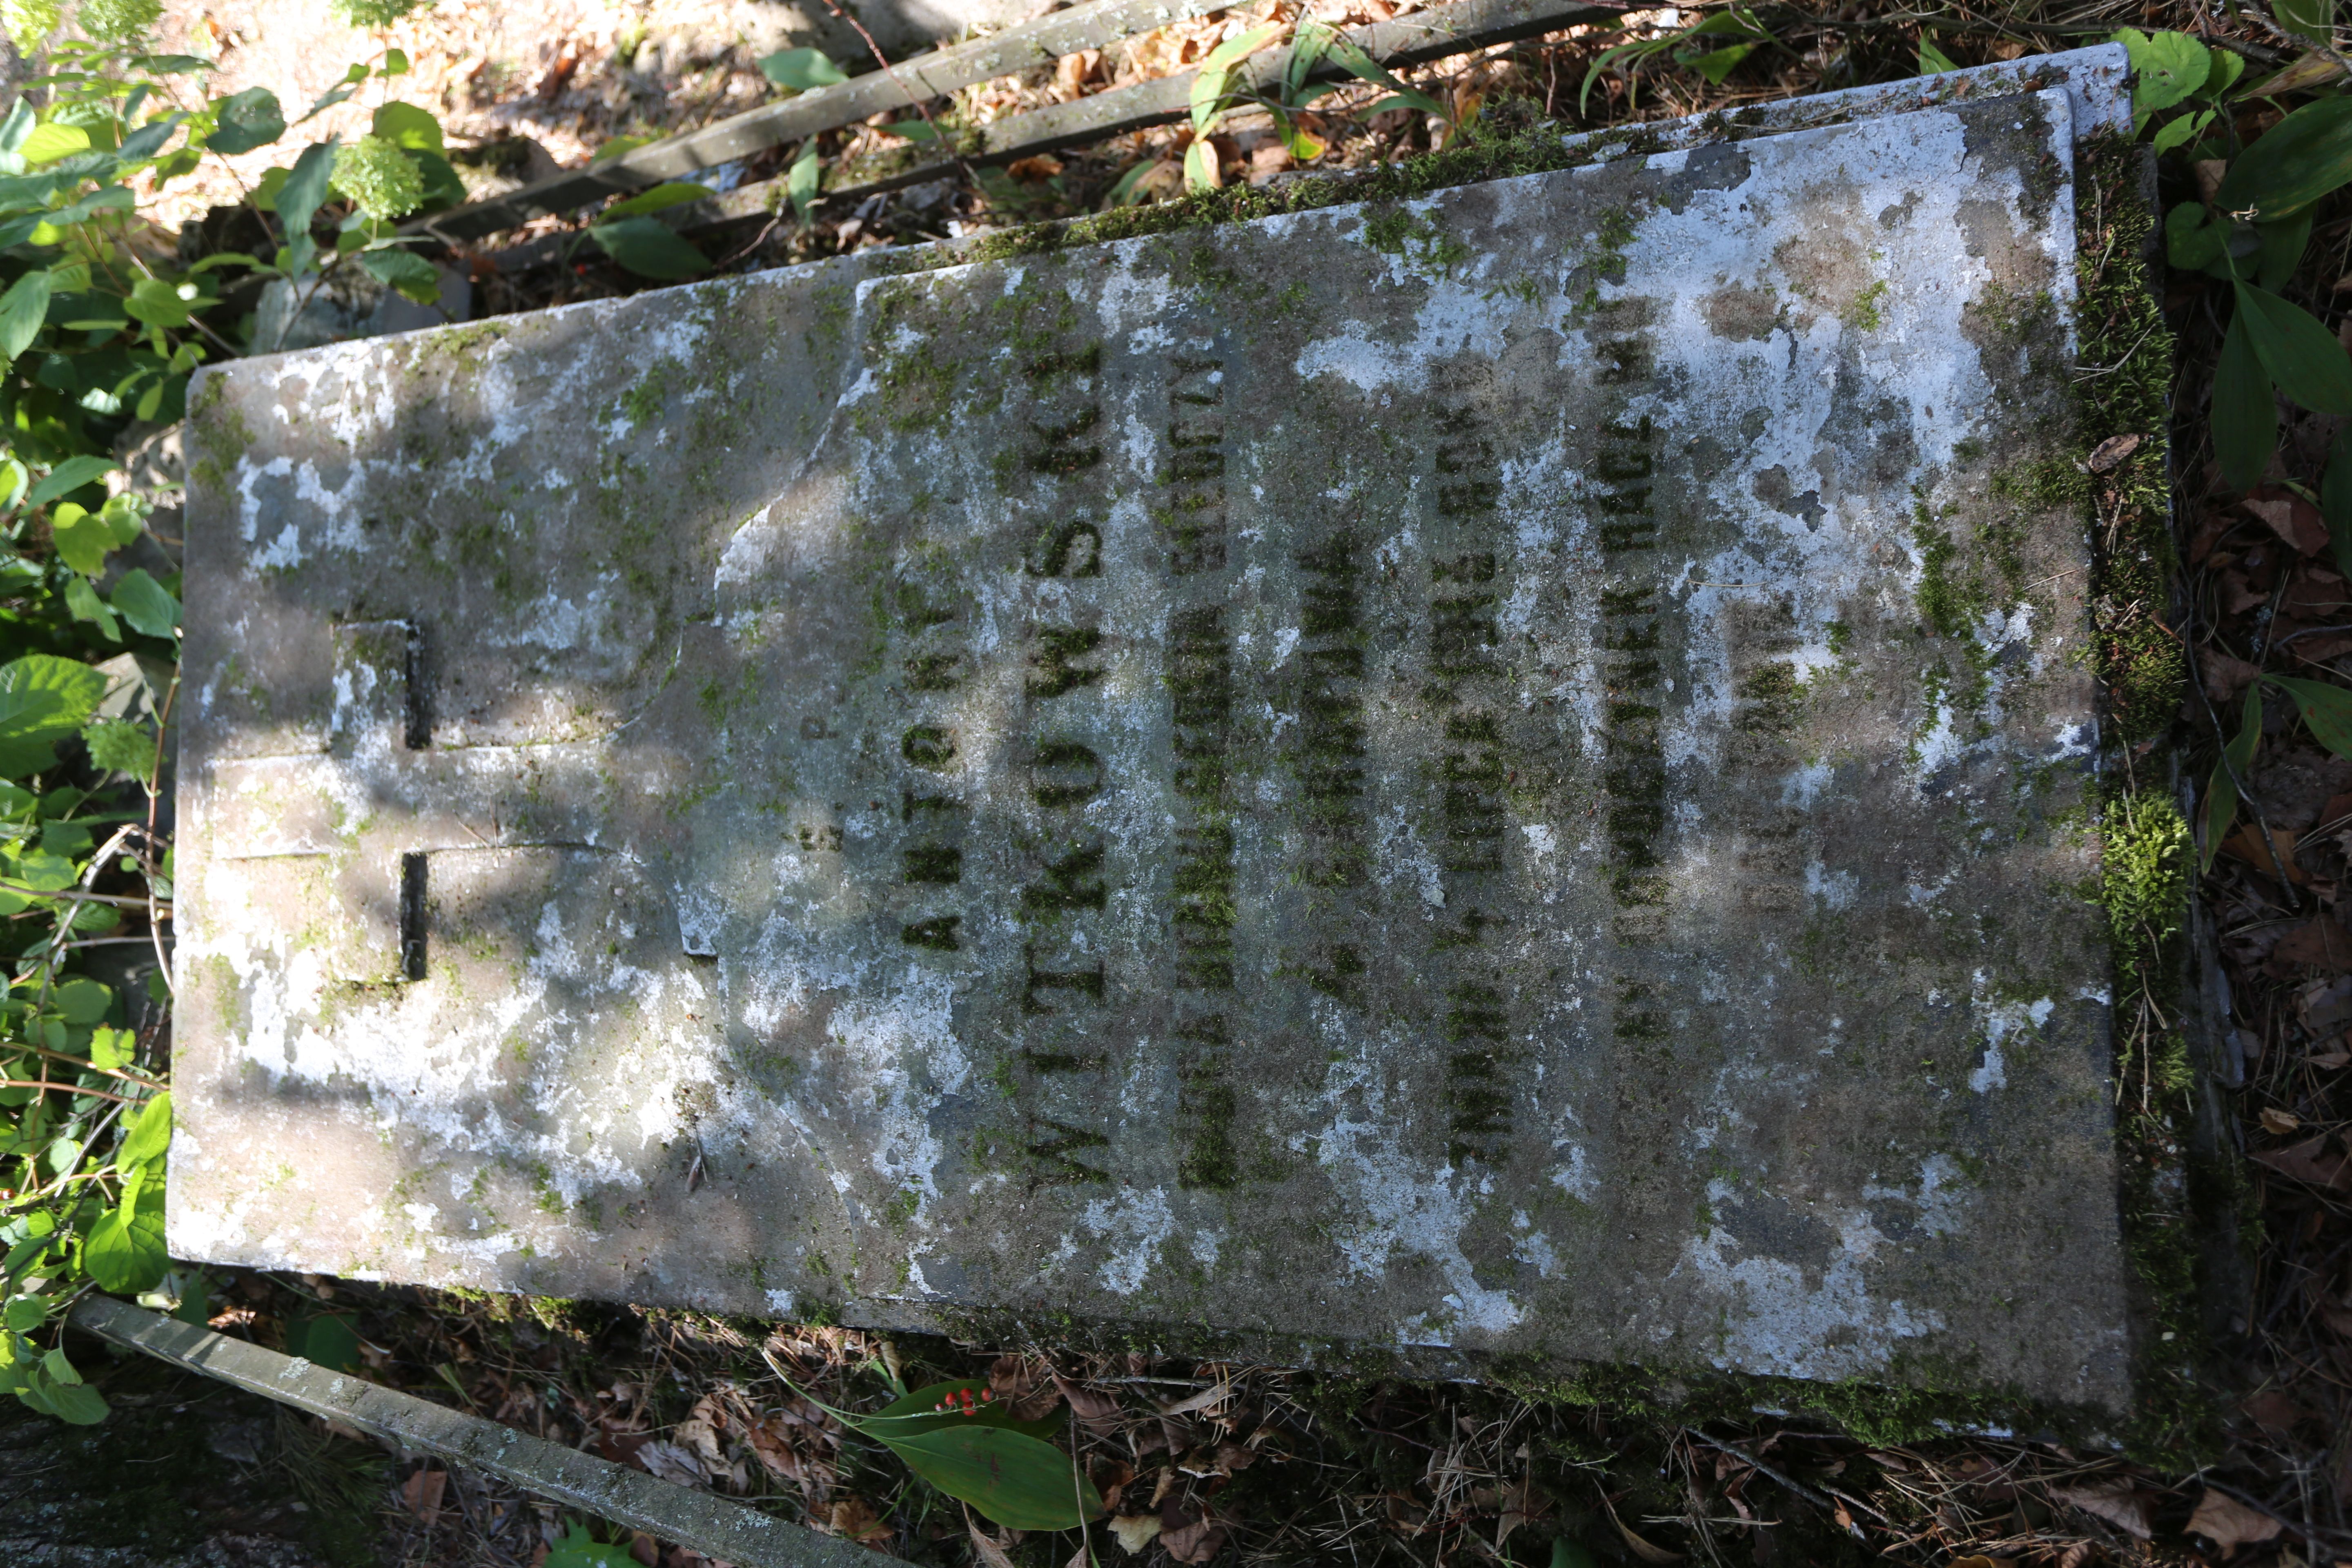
[(364, 818)]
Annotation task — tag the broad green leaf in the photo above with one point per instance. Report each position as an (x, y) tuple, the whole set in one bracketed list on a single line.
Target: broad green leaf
[(2326, 711), (112, 1049), (125, 515), (2312, 19), (2336, 498), (1566, 1553), (403, 270), (325, 102), (619, 146), (801, 184), (2192, 240), (1934, 62), (919, 1411), (22, 309), (801, 69), (150, 1134), (674, 193), (2283, 245), (2226, 69), (407, 126), (67, 477), (2176, 132), (251, 118), (50, 140), (82, 538), (2302, 356), (325, 1339), (647, 248), (76, 1404), (82, 1000), (2166, 68), (2244, 414), (148, 140), (124, 1250), (43, 700), (1716, 65), (579, 1550), (2296, 163), (1012, 1480), (444, 187), (84, 605), (17, 127), (44, 873), (306, 187), (1308, 45), (24, 1314), (160, 302), (1363, 67)]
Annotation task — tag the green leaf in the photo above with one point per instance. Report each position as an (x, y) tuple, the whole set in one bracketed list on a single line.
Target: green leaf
[(84, 605), (801, 69), (2283, 245), (124, 1251), (1716, 65), (2175, 131), (619, 146), (24, 1314), (306, 187), (410, 274), (51, 141), (1566, 1553), (150, 1134), (2238, 756), (2336, 498), (1014, 1479), (1363, 67), (2192, 240), (325, 1339), (1933, 61), (649, 249), (22, 309), (1201, 170), (82, 538), (2326, 711), (2297, 160), (919, 1411), (43, 700), (251, 118), (1214, 84), (160, 302), (407, 126), (2166, 66), (67, 477), (2312, 19), (671, 194), (2302, 356), (2244, 415), (118, 745), (578, 1548), (801, 184), (2226, 69)]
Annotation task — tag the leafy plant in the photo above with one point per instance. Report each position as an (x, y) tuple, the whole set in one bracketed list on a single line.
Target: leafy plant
[(1213, 95), (960, 1438), (2326, 712), (1712, 46)]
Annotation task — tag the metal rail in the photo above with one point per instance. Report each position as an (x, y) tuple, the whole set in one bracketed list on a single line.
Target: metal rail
[(710, 1525)]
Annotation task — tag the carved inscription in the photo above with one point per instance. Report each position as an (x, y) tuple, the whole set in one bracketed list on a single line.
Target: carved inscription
[(1063, 980), (1199, 674), (1465, 686)]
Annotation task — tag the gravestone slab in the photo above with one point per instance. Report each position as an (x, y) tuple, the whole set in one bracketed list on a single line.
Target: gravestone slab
[(1501, 775)]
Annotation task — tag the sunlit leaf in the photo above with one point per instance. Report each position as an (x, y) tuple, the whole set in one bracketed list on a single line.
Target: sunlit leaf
[(150, 1134), (671, 194), (410, 274), (801, 69), (146, 604), (22, 309), (124, 1250), (800, 183), (2167, 67), (1934, 62), (405, 125), (1014, 1479), (251, 118)]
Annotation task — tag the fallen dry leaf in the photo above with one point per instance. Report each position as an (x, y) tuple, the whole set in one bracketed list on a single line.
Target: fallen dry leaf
[(671, 1463), (2228, 1522), (2274, 1410), (1195, 1542), (985, 1547), (2247, 845), (1648, 1552), (2106, 455), (2112, 1501), (2319, 941), (854, 1518), (1135, 1531), (1043, 167), (2279, 1121), (1200, 1401), (2226, 675), (2292, 518), (1099, 1411), (421, 1493), (2309, 1162)]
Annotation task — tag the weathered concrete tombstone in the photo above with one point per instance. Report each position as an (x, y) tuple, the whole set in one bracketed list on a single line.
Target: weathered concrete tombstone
[(1494, 776)]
